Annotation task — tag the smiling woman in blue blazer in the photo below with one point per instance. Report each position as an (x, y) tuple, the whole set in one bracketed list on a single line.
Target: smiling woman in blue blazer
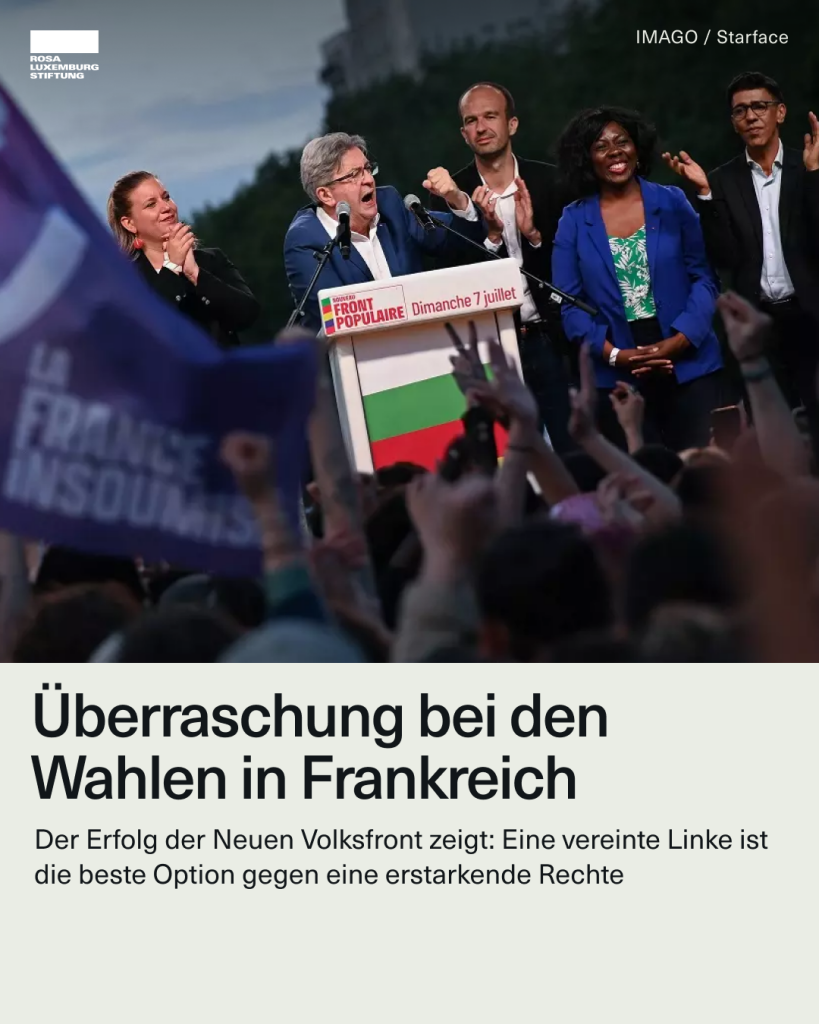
[(635, 251)]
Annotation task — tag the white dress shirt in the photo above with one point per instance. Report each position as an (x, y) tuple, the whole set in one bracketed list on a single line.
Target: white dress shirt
[(505, 205), (775, 281), (369, 246)]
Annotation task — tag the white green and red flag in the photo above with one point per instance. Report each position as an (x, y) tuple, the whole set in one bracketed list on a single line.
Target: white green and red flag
[(390, 354), (412, 404)]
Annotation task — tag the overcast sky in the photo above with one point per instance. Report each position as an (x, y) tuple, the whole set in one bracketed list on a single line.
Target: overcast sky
[(199, 91)]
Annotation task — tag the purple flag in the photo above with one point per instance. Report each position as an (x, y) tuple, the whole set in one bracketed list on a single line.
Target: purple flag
[(113, 404)]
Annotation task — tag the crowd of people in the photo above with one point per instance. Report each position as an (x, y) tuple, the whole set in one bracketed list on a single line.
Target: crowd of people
[(629, 529), (651, 554)]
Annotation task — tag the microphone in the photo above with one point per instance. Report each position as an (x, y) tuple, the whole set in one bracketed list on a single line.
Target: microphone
[(343, 229), (413, 204)]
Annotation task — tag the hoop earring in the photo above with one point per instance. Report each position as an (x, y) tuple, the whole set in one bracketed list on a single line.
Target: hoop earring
[(138, 243)]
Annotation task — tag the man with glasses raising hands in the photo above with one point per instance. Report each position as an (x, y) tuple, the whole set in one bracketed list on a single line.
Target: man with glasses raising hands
[(387, 241), (760, 218)]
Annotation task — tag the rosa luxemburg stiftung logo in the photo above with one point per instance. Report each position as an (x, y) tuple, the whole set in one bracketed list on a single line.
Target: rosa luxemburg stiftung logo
[(47, 47)]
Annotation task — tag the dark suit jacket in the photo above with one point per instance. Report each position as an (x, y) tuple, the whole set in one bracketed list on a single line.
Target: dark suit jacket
[(732, 227), (220, 302), (541, 180), (402, 239)]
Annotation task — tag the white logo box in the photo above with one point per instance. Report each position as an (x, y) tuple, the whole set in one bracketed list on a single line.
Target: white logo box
[(60, 41)]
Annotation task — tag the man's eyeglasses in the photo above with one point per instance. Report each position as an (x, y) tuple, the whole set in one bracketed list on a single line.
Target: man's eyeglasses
[(354, 175), (740, 111)]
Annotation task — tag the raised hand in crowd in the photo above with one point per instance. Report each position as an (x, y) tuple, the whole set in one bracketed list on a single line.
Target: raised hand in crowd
[(583, 400), (525, 214), (289, 586), (810, 153), (690, 170), (486, 201), (746, 327), (771, 531), (622, 501), (454, 522), (334, 562), (368, 494), (512, 404), (625, 500), (335, 480), (583, 429), (507, 397), (778, 436), (337, 563), (252, 460), (250, 457), (467, 366), (629, 408), (440, 183)]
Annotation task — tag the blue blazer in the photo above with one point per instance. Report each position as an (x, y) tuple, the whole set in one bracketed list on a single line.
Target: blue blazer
[(683, 285), (402, 238)]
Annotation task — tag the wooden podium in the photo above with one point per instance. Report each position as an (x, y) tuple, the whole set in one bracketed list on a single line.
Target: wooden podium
[(389, 355)]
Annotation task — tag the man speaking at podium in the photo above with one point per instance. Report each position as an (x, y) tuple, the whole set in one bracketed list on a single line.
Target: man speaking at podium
[(386, 239)]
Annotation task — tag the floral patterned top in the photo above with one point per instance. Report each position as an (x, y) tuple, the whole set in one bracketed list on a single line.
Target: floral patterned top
[(631, 266)]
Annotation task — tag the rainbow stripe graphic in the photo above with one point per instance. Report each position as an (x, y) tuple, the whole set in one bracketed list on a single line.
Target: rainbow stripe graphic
[(327, 316)]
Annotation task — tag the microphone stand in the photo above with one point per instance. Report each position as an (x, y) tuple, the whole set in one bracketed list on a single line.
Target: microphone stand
[(322, 255), (573, 300)]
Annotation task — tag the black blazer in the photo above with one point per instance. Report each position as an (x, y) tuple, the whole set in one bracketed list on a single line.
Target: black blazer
[(541, 180), (732, 227), (220, 302)]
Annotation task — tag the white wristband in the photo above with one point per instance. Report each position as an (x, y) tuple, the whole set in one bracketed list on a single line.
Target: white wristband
[(615, 352)]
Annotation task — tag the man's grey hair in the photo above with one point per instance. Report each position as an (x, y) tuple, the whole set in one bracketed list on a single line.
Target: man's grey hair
[(321, 157)]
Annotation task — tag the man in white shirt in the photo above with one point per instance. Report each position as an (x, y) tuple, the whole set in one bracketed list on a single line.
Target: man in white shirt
[(526, 199), (760, 219)]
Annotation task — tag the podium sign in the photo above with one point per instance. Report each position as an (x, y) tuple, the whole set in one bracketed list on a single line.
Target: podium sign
[(389, 355)]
